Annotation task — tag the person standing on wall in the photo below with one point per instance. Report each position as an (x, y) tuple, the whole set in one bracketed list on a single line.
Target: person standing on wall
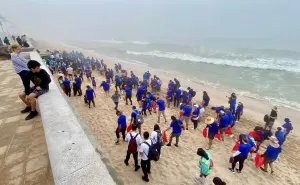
[(19, 62)]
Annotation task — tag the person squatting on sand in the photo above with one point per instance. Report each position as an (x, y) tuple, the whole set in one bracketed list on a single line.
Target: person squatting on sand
[(41, 79)]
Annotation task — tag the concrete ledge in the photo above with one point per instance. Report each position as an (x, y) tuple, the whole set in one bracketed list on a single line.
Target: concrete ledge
[(73, 158)]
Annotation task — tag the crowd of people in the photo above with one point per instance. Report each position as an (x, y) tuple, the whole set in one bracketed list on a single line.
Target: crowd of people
[(22, 41), (71, 68)]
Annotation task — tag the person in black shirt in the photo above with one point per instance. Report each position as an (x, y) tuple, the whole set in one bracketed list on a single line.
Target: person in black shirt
[(41, 79), (272, 118)]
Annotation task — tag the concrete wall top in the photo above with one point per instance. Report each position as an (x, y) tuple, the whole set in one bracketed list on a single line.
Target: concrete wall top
[(73, 159)]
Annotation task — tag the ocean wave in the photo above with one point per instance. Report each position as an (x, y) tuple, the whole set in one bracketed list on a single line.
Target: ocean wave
[(283, 64), (123, 42)]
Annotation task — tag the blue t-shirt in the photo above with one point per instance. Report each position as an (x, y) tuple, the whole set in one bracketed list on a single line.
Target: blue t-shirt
[(105, 86), (118, 80), (230, 116), (272, 153), (78, 81), (280, 136), (128, 91), (133, 115), (67, 83), (139, 93), (178, 94), (90, 93), (224, 121), (233, 101), (185, 98), (239, 109), (144, 106), (218, 109), (287, 126), (176, 126), (206, 100), (195, 113), (151, 97), (161, 105), (122, 121), (244, 149), (187, 111), (213, 128), (169, 95)]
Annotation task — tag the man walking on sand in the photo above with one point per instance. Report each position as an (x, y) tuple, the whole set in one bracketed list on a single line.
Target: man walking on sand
[(134, 140), (19, 62), (70, 72), (144, 151), (187, 111), (161, 109), (41, 79)]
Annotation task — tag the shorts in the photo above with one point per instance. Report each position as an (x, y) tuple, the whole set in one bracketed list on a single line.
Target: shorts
[(267, 161), (38, 93), (211, 136), (222, 130), (139, 99)]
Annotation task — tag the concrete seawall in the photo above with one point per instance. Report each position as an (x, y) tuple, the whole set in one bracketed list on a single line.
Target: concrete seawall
[(73, 156)]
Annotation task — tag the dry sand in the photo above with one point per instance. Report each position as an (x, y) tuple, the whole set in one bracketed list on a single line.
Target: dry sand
[(180, 165)]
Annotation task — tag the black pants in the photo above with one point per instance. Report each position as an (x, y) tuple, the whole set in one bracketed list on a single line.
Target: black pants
[(90, 102), (195, 123), (23, 75), (68, 90), (237, 116), (158, 147), (128, 97), (79, 91), (176, 102), (123, 130), (239, 159), (144, 112), (146, 167), (135, 157), (74, 91), (118, 85)]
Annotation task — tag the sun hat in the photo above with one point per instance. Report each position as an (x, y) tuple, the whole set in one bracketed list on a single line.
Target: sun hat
[(196, 106), (209, 120), (274, 142), (222, 112)]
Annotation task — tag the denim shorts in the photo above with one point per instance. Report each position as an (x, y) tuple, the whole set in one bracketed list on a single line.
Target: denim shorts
[(38, 93)]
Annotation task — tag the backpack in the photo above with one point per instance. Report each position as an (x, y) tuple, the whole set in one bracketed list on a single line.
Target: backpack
[(153, 153), (193, 93), (132, 146), (159, 139), (139, 118), (266, 118)]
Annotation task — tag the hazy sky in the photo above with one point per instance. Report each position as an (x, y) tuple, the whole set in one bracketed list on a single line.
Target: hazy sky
[(153, 20)]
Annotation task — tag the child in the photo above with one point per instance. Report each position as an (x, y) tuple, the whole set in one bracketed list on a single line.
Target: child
[(94, 82), (149, 105), (239, 111), (205, 162), (144, 107), (86, 100)]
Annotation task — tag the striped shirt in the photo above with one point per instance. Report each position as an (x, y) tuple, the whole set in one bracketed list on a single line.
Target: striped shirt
[(19, 62)]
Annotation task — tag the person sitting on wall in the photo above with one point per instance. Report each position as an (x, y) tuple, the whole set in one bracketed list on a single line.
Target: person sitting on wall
[(41, 79)]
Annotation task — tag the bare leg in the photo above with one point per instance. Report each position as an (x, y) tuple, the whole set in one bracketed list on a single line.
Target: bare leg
[(164, 116), (32, 100), (23, 98)]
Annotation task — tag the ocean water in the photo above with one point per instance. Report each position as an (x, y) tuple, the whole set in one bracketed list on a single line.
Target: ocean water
[(265, 74)]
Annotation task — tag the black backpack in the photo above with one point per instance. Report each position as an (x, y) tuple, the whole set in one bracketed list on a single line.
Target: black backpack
[(153, 153), (266, 118), (193, 93), (159, 139)]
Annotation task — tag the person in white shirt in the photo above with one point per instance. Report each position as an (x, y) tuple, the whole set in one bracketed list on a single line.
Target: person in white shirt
[(133, 147), (156, 138), (145, 162), (70, 72)]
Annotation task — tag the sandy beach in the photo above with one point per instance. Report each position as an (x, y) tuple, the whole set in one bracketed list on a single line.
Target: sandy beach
[(180, 165)]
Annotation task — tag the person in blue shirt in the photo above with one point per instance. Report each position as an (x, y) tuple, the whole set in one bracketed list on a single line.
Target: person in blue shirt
[(171, 86), (78, 84), (213, 127), (128, 95), (67, 85), (118, 82), (230, 116), (177, 97), (232, 102), (106, 87), (239, 111), (185, 98), (144, 107), (205, 99), (271, 154), (287, 126), (224, 123), (241, 154), (279, 134), (169, 97), (90, 95), (195, 116), (121, 126), (177, 126), (161, 109), (139, 95), (187, 111)]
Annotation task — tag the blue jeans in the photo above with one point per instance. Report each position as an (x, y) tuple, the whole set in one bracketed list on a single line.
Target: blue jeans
[(23, 75)]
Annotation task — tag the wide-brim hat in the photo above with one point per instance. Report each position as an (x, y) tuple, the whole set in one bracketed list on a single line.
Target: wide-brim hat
[(209, 120), (274, 141)]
